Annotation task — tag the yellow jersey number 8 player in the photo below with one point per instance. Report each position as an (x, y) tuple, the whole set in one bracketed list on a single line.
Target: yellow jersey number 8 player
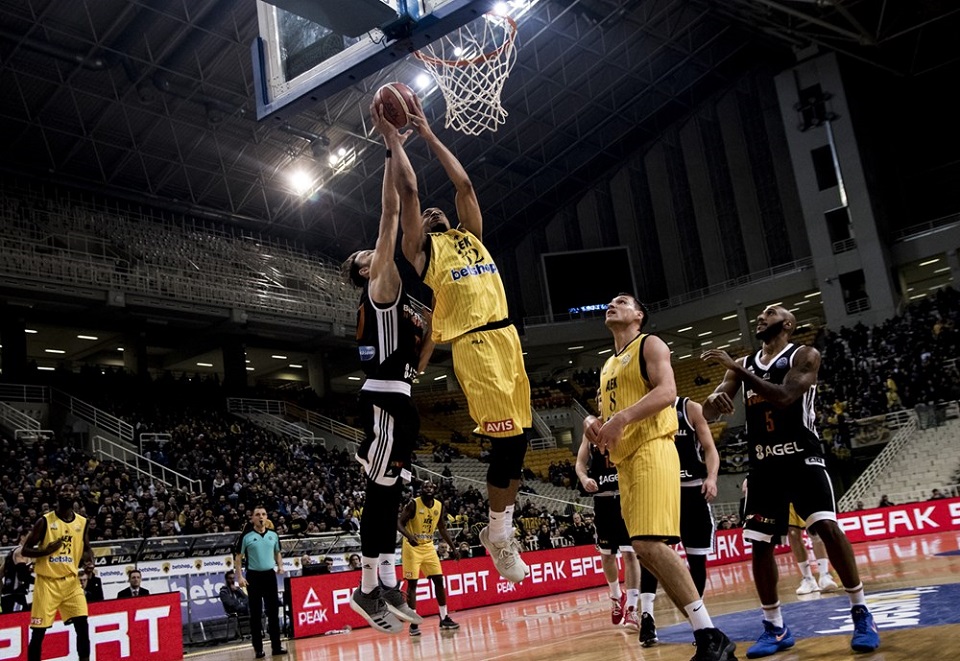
[(59, 541)]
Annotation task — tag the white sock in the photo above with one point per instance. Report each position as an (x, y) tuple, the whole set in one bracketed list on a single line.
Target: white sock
[(646, 602), (772, 614), (615, 592), (387, 569), (699, 617), (856, 595), (497, 529), (508, 519), (443, 612), (368, 574), (823, 566), (805, 569), (633, 596)]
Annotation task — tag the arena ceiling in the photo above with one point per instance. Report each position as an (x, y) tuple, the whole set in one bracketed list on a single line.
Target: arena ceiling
[(152, 100)]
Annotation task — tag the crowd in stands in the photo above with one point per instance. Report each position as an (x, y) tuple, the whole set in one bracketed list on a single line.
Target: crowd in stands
[(898, 364), (562, 474)]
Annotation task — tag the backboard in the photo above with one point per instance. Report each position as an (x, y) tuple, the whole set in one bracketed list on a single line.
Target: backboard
[(310, 49)]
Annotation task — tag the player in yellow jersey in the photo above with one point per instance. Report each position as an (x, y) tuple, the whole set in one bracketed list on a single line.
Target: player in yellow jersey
[(470, 313), (419, 520), (59, 541), (637, 395)]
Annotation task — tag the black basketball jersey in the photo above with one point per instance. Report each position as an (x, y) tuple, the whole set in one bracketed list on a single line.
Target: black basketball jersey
[(389, 338), (688, 446), (779, 432), (603, 472)]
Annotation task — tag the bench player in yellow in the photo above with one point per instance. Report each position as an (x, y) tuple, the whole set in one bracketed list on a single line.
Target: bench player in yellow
[(420, 519), (59, 543)]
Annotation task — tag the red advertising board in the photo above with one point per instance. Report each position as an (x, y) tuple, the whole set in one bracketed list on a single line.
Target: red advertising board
[(321, 603), (145, 629)]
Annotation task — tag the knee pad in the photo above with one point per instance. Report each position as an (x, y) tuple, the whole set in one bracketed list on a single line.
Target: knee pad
[(506, 460)]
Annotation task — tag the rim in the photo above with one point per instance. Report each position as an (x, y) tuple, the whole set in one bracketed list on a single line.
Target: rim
[(511, 30)]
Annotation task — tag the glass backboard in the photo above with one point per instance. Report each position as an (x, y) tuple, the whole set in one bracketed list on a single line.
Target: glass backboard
[(304, 56)]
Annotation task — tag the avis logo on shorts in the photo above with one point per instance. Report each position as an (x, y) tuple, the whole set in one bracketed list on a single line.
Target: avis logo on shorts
[(499, 426)]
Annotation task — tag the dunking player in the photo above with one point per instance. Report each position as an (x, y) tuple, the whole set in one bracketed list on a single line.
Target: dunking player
[(59, 541), (390, 327), (470, 313), (419, 520), (638, 429), (699, 464), (598, 476), (779, 387)]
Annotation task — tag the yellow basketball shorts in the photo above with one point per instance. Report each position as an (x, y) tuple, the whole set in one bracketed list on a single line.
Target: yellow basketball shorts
[(650, 491), (56, 594), (420, 558), (489, 367)]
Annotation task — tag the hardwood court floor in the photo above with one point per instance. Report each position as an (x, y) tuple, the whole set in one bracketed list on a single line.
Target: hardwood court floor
[(576, 626)]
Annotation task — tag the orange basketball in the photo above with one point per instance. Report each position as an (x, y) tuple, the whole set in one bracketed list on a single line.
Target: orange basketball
[(398, 103)]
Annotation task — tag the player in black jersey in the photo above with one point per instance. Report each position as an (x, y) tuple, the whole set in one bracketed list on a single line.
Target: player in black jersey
[(779, 385), (390, 330), (599, 478), (699, 464)]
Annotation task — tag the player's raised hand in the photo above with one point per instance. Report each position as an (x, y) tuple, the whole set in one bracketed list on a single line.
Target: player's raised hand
[(418, 119)]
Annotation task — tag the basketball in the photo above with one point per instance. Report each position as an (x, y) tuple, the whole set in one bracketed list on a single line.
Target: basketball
[(398, 103)]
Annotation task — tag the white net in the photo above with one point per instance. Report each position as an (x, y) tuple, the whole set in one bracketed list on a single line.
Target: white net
[(470, 67)]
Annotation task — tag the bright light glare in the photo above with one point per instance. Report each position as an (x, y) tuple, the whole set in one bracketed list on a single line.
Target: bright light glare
[(500, 9), (423, 80), (301, 181)]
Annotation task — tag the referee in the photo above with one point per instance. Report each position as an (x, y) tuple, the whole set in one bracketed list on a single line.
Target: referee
[(260, 547)]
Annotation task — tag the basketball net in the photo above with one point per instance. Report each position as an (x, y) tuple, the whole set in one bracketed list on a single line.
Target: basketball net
[(470, 67)]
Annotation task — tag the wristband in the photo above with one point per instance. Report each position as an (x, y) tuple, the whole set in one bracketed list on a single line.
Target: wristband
[(389, 153)]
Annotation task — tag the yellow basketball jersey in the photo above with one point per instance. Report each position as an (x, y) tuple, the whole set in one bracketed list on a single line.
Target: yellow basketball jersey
[(466, 285), (67, 558), (622, 383), (425, 520)]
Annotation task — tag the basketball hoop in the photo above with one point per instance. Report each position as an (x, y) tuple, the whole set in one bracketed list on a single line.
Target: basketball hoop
[(470, 67)]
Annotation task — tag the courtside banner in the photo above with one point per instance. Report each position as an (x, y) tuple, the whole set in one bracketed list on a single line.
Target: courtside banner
[(322, 603), (146, 629), (861, 526), (902, 520)]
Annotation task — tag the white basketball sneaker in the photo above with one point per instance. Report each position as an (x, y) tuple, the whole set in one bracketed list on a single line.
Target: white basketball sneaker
[(827, 584), (808, 585), (506, 557)]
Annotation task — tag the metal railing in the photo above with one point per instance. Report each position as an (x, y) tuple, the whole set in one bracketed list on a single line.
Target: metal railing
[(542, 428), (136, 462), (545, 443), (844, 245), (859, 305), (927, 227), (93, 415), (906, 424), (324, 423), (160, 438), (17, 419), (277, 407), (14, 392)]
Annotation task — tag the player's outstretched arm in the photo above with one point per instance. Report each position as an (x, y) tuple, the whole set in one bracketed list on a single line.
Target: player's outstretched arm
[(720, 401), (384, 284), (468, 208)]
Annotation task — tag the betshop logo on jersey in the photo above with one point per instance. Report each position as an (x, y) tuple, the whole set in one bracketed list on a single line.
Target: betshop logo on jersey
[(473, 269)]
